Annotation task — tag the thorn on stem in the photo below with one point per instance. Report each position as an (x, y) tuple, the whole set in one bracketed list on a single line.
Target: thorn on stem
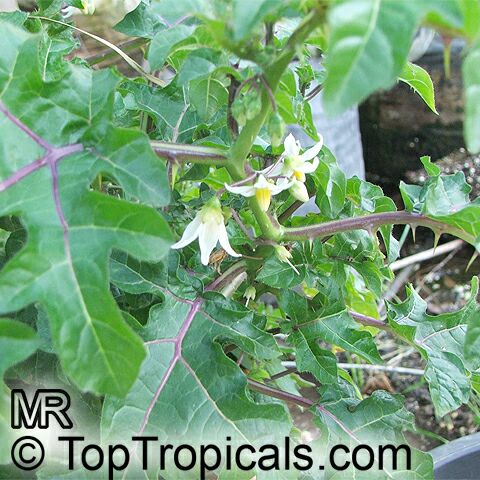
[(436, 240), (474, 257)]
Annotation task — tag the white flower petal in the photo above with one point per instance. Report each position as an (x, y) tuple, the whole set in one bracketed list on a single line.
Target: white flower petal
[(224, 242), (207, 239), (131, 5), (274, 170), (283, 182), (246, 191), (281, 185), (190, 234), (313, 151), (310, 167), (291, 146), (262, 182)]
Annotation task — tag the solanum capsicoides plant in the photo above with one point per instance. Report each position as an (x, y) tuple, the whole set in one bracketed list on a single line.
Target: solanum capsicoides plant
[(101, 174)]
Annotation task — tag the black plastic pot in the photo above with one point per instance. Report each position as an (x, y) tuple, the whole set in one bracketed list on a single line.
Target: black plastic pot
[(458, 460)]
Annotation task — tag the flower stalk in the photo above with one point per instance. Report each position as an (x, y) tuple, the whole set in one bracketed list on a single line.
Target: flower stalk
[(243, 145)]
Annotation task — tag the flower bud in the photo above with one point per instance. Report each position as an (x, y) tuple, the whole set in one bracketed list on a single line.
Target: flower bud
[(282, 253), (250, 294), (299, 191), (284, 256)]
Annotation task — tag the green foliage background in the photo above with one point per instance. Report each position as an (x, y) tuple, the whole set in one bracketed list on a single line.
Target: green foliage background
[(100, 172)]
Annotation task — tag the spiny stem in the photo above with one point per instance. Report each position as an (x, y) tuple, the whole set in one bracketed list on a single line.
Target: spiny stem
[(288, 212), (370, 223), (286, 372), (176, 130)]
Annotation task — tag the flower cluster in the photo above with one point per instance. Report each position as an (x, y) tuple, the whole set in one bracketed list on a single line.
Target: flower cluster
[(294, 166), (288, 173)]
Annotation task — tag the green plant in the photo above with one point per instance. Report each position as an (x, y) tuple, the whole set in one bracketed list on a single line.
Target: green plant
[(100, 173)]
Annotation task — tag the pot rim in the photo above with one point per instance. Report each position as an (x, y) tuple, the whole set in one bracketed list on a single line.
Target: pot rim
[(455, 450)]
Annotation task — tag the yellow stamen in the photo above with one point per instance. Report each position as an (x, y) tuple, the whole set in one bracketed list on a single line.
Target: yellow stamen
[(264, 196), (300, 176)]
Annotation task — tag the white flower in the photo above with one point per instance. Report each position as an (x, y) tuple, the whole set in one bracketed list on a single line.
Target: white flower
[(295, 164), (88, 8), (209, 227), (262, 189)]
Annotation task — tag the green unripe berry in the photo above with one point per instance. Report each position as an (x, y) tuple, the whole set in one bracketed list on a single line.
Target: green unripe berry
[(239, 112), (276, 129), (253, 104)]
